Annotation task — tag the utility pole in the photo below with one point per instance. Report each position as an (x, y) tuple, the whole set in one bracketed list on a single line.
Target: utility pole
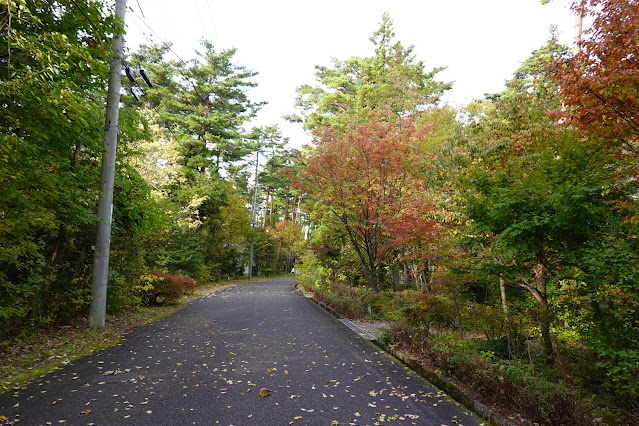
[(253, 208), (107, 177)]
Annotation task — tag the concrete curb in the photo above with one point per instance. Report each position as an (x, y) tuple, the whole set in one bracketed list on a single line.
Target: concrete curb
[(450, 388)]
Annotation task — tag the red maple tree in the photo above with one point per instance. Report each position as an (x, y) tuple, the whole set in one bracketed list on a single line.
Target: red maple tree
[(369, 177), (600, 83)]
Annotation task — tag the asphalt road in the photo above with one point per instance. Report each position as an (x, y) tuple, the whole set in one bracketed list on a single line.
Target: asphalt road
[(208, 363)]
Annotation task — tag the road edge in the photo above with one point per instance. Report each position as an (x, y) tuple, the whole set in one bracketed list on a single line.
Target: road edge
[(434, 379)]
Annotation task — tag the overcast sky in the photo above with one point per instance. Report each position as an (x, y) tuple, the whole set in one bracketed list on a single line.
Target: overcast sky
[(481, 42)]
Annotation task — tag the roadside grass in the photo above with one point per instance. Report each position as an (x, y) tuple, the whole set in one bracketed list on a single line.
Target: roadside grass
[(34, 353)]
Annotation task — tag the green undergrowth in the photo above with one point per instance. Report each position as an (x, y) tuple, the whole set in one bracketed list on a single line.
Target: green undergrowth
[(499, 366)]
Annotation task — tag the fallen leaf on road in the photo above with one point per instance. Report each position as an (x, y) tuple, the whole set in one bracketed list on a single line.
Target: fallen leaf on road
[(265, 392)]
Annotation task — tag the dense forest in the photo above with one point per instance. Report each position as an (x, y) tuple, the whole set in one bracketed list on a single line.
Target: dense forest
[(186, 152), (499, 241)]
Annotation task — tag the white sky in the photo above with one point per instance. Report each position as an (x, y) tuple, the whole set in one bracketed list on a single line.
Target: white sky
[(482, 42)]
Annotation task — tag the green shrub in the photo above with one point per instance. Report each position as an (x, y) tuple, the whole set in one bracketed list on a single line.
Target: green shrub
[(621, 368), (386, 336)]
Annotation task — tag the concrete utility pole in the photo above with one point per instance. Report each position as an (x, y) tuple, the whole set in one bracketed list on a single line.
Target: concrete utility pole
[(105, 204), (253, 209)]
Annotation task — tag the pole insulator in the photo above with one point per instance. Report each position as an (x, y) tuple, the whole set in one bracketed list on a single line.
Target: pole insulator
[(130, 73), (146, 78)]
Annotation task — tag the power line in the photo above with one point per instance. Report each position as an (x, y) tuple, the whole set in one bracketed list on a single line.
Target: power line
[(166, 12), (86, 16), (168, 46), (141, 11), (208, 4), (201, 20)]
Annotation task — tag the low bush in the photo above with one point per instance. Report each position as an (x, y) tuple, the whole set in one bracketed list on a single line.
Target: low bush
[(540, 397), (347, 301), (162, 287)]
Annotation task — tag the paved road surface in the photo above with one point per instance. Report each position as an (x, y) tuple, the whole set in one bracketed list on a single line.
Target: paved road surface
[(207, 364)]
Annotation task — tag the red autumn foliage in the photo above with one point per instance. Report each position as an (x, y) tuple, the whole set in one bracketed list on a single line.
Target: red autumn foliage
[(168, 287), (600, 84), (369, 177)]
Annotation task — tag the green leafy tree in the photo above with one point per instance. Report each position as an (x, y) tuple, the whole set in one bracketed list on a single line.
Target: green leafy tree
[(53, 63), (391, 83), (211, 107), (204, 102), (199, 110), (532, 76), (536, 200)]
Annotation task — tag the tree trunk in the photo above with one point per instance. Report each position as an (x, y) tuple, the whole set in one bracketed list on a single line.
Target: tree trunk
[(290, 260), (459, 321), (502, 290), (293, 209), (285, 208), (268, 194), (60, 244), (299, 209), (576, 47), (270, 214), (371, 275), (369, 268), (62, 230), (541, 281), (549, 353), (538, 291), (277, 258)]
